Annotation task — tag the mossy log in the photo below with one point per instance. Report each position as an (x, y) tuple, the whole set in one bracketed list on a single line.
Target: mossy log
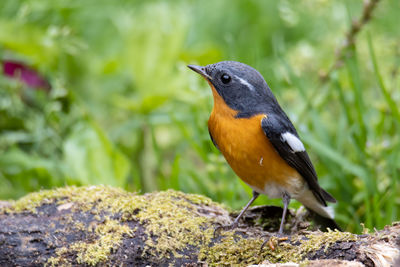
[(104, 226)]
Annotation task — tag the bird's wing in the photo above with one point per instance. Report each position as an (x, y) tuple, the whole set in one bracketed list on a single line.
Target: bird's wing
[(283, 136)]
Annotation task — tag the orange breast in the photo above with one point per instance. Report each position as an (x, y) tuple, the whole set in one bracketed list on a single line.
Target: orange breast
[(246, 148)]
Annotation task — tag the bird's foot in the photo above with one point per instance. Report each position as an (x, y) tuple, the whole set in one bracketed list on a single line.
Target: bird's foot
[(227, 227), (273, 240)]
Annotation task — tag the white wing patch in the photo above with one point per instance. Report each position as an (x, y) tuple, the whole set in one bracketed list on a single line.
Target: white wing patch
[(295, 144), (246, 83)]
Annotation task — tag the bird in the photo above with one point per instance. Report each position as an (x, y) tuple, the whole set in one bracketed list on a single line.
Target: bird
[(259, 142)]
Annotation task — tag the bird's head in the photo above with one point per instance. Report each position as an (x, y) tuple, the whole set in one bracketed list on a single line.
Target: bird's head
[(241, 87)]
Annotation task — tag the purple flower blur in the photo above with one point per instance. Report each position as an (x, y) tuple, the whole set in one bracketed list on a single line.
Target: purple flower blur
[(25, 74)]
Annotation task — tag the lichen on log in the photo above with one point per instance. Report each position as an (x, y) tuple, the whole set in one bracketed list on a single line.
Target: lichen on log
[(100, 225)]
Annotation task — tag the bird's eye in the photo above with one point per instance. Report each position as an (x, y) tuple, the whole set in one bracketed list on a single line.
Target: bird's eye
[(225, 78)]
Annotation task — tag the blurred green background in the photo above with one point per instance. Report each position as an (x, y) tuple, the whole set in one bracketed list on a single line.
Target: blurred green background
[(124, 110)]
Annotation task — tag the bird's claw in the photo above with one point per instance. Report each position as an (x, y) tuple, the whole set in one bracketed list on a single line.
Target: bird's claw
[(273, 240)]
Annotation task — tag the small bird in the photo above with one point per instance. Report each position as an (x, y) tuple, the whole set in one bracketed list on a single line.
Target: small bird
[(257, 139)]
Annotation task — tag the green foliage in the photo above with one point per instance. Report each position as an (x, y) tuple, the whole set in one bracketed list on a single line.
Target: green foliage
[(124, 110), (46, 141)]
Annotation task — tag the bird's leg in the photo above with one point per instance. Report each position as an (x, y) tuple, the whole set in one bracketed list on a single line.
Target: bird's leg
[(274, 240), (286, 201), (236, 221)]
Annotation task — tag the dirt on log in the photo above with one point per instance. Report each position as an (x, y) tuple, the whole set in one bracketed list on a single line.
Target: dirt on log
[(105, 226)]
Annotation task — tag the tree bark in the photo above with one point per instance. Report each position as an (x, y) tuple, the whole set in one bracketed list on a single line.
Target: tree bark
[(102, 226)]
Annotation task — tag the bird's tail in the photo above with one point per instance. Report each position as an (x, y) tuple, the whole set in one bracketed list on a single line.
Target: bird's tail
[(323, 215), (328, 197), (324, 223)]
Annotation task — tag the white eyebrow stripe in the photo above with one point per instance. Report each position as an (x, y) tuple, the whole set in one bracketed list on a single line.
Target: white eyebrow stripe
[(244, 82), (295, 144)]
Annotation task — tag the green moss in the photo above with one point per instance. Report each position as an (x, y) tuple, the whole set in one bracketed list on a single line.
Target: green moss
[(233, 250), (236, 250), (172, 217), (86, 196), (59, 260), (110, 235), (318, 239), (193, 198)]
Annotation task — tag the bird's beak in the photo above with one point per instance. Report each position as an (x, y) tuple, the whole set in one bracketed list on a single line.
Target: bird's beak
[(200, 70)]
